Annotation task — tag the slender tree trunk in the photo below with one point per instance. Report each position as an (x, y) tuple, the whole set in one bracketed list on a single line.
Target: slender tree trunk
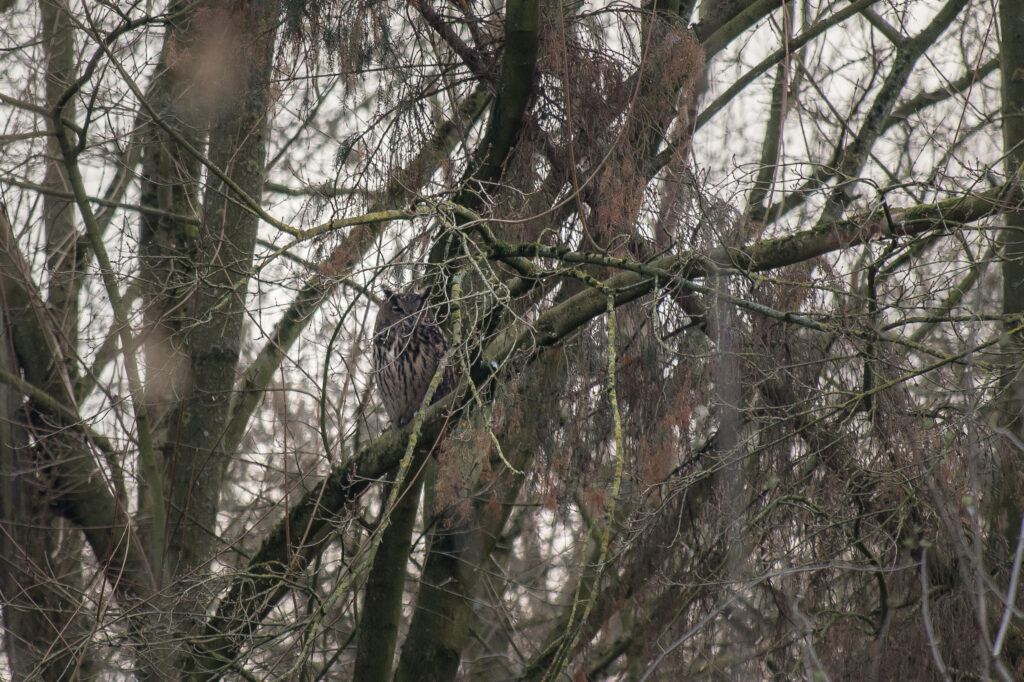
[(40, 581), (451, 579), (1009, 476), (382, 606), (1008, 473), (59, 213)]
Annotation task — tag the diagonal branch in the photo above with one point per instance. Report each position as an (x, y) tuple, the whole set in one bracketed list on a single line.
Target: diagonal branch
[(300, 536), (469, 56), (147, 456), (776, 57), (856, 154), (339, 264)]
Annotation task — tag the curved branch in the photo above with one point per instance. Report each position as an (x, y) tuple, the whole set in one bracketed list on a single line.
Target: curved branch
[(300, 536)]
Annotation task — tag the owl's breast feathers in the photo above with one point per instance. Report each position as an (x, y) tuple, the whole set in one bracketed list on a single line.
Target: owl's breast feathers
[(406, 355)]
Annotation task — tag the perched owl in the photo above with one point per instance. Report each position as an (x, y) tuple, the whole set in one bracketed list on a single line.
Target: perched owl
[(407, 345)]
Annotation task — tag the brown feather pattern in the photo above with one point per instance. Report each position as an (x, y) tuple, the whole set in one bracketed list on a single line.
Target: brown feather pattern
[(407, 345)]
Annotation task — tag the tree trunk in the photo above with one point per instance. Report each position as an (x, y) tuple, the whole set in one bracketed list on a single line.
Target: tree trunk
[(1005, 507)]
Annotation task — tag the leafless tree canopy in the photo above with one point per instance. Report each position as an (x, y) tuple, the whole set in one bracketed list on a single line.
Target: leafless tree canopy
[(734, 301)]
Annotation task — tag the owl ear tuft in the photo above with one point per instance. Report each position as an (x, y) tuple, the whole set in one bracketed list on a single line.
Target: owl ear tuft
[(388, 293), (424, 293)]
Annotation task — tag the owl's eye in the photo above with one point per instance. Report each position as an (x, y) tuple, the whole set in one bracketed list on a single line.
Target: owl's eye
[(395, 308)]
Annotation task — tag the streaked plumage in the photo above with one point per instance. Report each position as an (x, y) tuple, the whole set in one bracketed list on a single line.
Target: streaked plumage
[(407, 345)]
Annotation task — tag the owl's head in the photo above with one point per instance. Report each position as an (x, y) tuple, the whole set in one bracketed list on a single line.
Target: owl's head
[(397, 307)]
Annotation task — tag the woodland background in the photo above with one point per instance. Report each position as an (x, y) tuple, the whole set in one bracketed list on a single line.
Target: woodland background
[(734, 289)]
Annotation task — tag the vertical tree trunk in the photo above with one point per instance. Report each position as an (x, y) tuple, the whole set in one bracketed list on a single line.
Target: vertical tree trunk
[(382, 606), (1008, 474), (1008, 478), (215, 85), (167, 246), (225, 246), (41, 578)]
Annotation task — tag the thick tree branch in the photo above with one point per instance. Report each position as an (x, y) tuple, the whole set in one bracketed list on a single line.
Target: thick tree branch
[(265, 581), (553, 325), (714, 38), (522, 36), (469, 55)]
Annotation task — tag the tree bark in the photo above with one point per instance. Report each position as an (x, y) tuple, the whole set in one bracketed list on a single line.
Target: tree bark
[(1004, 509), (385, 586), (40, 581)]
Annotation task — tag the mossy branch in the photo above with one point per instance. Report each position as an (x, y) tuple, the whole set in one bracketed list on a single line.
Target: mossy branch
[(568, 643), (264, 582)]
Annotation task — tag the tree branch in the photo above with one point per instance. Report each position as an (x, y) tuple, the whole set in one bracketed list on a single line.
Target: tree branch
[(265, 580), (342, 260)]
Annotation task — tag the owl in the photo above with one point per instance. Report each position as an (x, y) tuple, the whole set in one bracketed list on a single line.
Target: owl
[(407, 345)]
